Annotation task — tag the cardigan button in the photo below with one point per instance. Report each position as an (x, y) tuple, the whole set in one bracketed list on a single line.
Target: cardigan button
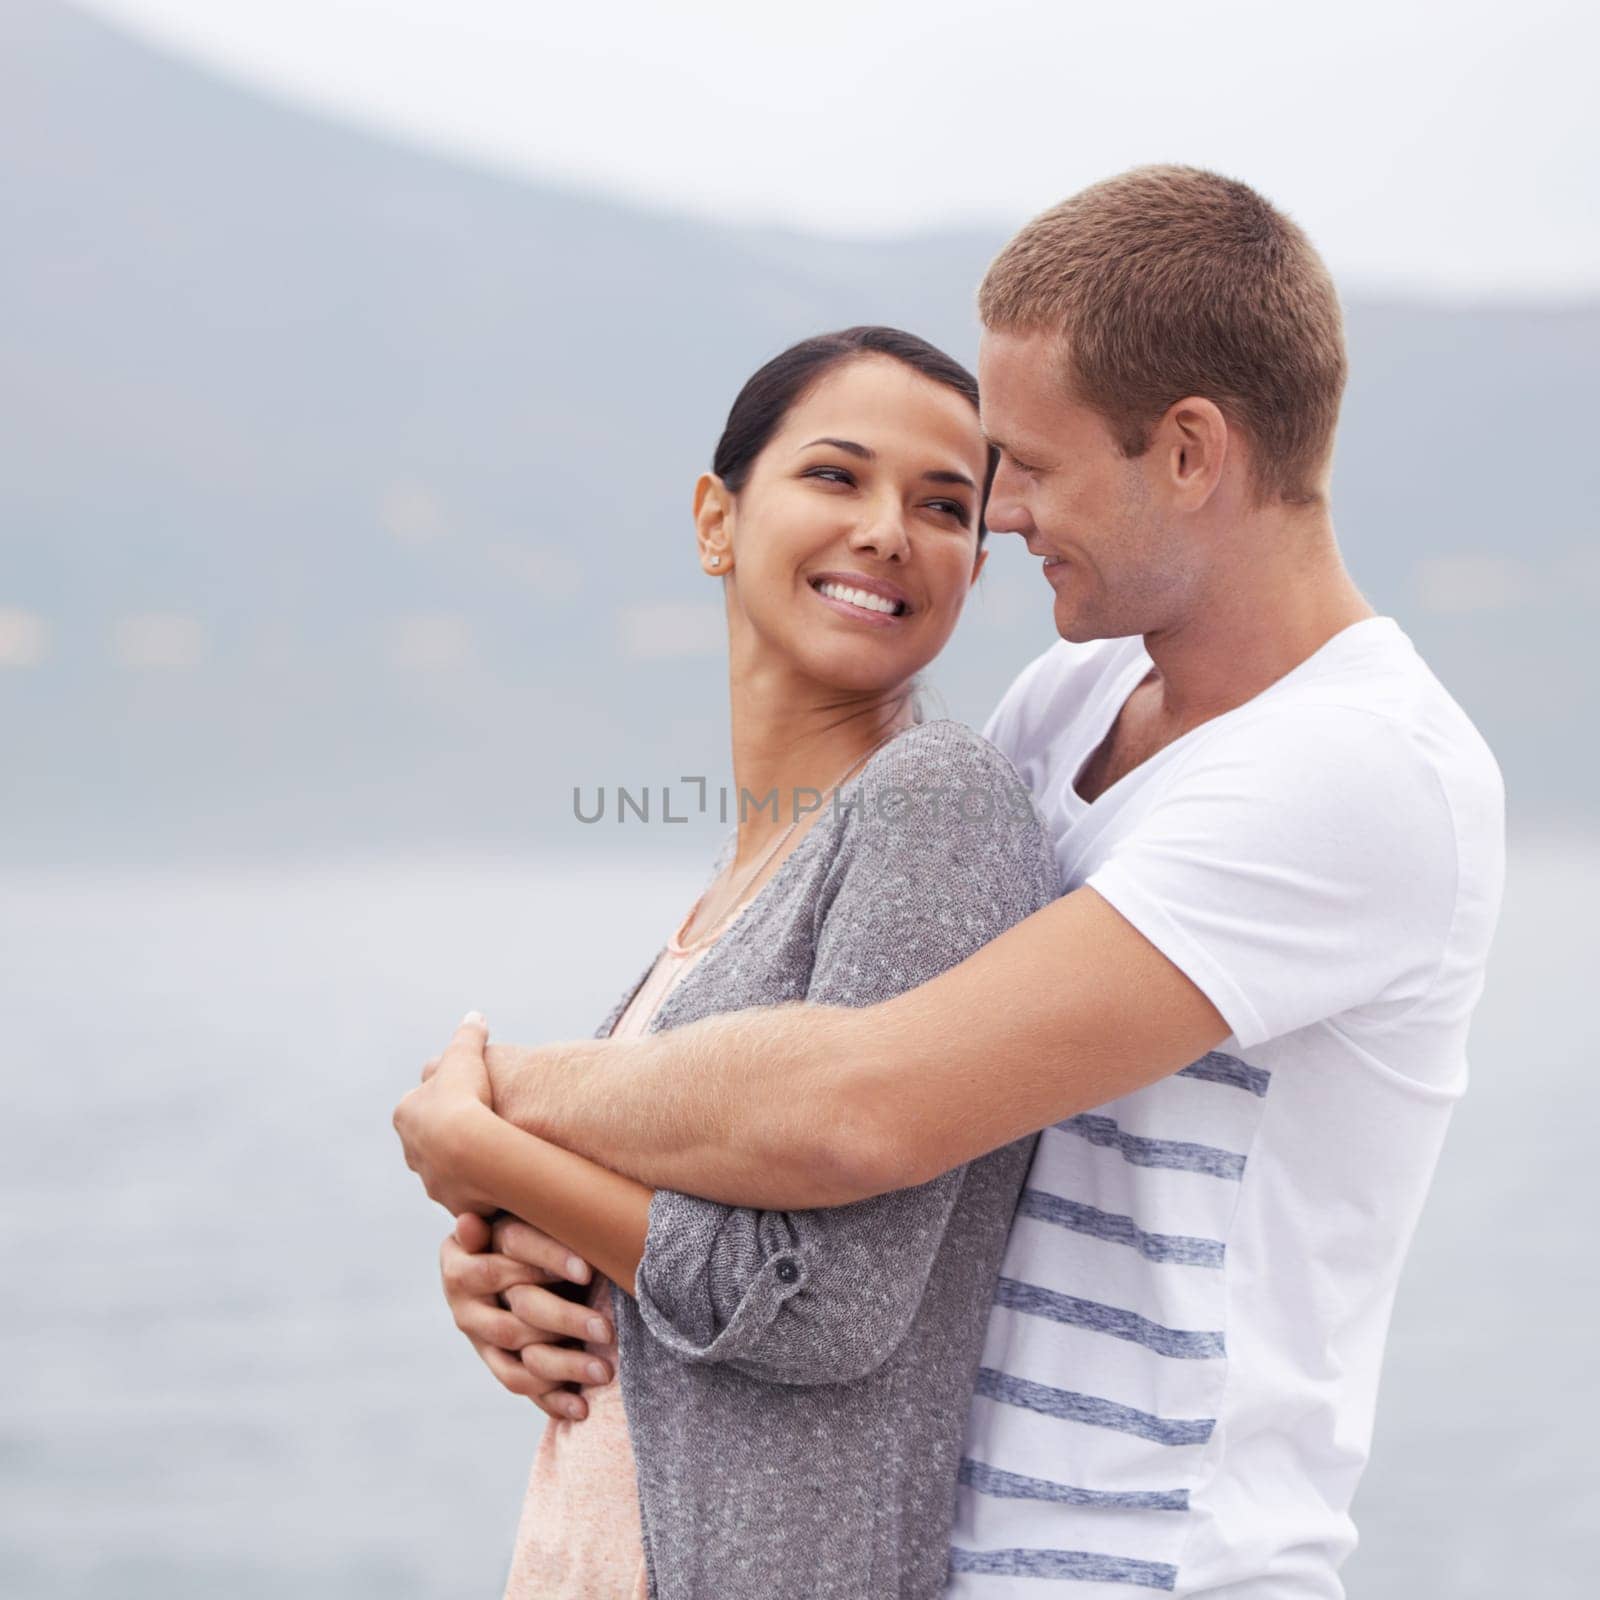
[(787, 1270)]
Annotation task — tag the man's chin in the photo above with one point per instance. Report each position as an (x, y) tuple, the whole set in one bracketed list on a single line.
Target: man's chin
[(1080, 627), (1074, 627)]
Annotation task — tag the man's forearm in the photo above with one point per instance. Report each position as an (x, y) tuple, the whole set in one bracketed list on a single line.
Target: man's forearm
[(764, 1107), (805, 1105)]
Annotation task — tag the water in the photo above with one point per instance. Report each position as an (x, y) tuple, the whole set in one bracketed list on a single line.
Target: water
[(228, 1369)]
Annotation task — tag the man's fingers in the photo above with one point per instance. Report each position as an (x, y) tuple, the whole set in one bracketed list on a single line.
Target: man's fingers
[(515, 1238), (551, 1314), (557, 1363)]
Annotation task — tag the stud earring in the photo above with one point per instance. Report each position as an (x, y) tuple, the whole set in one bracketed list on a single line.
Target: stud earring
[(716, 561)]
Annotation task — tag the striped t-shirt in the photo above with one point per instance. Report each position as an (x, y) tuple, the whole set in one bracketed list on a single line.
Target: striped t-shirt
[(1178, 1384)]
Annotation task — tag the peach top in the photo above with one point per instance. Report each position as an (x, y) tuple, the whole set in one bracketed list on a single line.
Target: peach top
[(578, 1537)]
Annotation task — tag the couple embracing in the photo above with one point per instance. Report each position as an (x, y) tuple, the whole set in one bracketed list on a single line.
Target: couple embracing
[(998, 1183)]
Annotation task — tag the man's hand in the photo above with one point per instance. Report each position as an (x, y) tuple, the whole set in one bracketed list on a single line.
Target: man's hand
[(528, 1337), (435, 1118)]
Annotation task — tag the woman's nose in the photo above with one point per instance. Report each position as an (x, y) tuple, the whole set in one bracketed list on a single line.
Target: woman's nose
[(883, 531)]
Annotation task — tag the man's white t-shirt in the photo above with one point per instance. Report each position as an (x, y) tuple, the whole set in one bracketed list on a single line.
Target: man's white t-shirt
[(1181, 1368)]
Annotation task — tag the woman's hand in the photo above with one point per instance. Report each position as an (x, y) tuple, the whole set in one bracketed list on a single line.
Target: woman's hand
[(530, 1348), (435, 1120)]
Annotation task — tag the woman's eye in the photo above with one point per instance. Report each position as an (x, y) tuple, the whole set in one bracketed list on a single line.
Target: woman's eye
[(828, 474), (953, 507)]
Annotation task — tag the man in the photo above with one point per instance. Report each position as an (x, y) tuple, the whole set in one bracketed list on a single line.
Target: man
[(1242, 1026)]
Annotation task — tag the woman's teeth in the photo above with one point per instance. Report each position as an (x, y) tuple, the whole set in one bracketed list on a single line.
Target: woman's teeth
[(860, 597)]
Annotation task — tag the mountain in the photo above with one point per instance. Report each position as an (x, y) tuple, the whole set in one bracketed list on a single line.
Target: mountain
[(344, 487)]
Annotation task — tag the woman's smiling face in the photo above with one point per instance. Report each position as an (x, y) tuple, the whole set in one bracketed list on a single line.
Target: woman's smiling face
[(871, 485)]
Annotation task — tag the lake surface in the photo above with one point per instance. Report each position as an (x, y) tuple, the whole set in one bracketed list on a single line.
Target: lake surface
[(228, 1369)]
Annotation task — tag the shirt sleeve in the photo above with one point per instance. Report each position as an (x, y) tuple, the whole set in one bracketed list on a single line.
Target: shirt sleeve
[(1294, 867), (825, 1296)]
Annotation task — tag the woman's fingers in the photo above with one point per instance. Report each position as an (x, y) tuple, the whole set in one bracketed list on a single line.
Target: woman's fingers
[(558, 1403), (480, 1320), (557, 1363), (473, 1277), (480, 1262), (555, 1316), (481, 1273), (508, 1371), (472, 1232), (515, 1238), (562, 1405)]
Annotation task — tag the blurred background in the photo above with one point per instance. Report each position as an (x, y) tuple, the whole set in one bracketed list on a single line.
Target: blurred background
[(356, 363)]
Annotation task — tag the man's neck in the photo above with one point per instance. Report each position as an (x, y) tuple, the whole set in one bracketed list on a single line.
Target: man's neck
[(1282, 596)]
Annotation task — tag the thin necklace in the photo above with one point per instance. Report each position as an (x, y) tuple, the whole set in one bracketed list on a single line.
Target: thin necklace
[(676, 943)]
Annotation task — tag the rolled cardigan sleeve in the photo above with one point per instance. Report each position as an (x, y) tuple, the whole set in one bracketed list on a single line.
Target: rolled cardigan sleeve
[(826, 1296)]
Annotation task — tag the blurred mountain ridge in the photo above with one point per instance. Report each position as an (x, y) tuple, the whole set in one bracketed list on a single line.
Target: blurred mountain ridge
[(344, 486)]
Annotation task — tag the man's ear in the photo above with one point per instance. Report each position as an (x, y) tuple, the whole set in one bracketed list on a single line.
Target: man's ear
[(1195, 441), (713, 523)]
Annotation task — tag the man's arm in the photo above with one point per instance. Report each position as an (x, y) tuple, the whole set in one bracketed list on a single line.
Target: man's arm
[(804, 1105)]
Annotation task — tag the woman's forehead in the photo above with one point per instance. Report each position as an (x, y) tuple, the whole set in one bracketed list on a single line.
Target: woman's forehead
[(885, 405)]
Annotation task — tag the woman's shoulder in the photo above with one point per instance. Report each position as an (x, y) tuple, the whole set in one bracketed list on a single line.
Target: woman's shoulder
[(946, 760), (942, 793)]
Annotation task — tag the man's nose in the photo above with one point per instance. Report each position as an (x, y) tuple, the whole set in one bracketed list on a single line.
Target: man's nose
[(1006, 512)]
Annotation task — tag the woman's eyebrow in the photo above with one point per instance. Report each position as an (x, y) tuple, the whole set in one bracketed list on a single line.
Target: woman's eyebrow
[(850, 447)]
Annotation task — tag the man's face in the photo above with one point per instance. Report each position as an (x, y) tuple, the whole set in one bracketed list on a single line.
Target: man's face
[(1114, 555)]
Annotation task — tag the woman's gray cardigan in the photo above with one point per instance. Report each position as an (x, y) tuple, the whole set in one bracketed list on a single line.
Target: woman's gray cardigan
[(797, 1382)]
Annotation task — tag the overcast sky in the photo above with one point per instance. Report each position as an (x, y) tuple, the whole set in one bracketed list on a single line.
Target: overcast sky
[(1453, 148)]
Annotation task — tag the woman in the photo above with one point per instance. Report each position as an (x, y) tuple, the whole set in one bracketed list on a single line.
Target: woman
[(795, 1384)]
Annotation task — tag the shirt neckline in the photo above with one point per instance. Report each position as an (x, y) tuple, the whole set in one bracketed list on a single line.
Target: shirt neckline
[(1140, 663)]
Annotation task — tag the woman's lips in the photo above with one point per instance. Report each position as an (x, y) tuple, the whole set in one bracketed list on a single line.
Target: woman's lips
[(861, 613)]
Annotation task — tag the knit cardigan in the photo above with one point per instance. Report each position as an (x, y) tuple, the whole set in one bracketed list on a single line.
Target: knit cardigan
[(797, 1383)]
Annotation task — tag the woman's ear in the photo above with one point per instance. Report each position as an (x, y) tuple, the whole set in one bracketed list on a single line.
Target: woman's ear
[(713, 524), (977, 566)]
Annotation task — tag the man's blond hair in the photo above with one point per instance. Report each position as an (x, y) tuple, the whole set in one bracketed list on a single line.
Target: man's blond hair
[(1169, 281)]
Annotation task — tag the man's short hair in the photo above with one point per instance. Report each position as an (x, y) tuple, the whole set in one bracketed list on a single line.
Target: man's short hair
[(1170, 281)]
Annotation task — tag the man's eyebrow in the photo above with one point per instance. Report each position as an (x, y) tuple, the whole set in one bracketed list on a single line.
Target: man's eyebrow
[(849, 446), (1005, 449)]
